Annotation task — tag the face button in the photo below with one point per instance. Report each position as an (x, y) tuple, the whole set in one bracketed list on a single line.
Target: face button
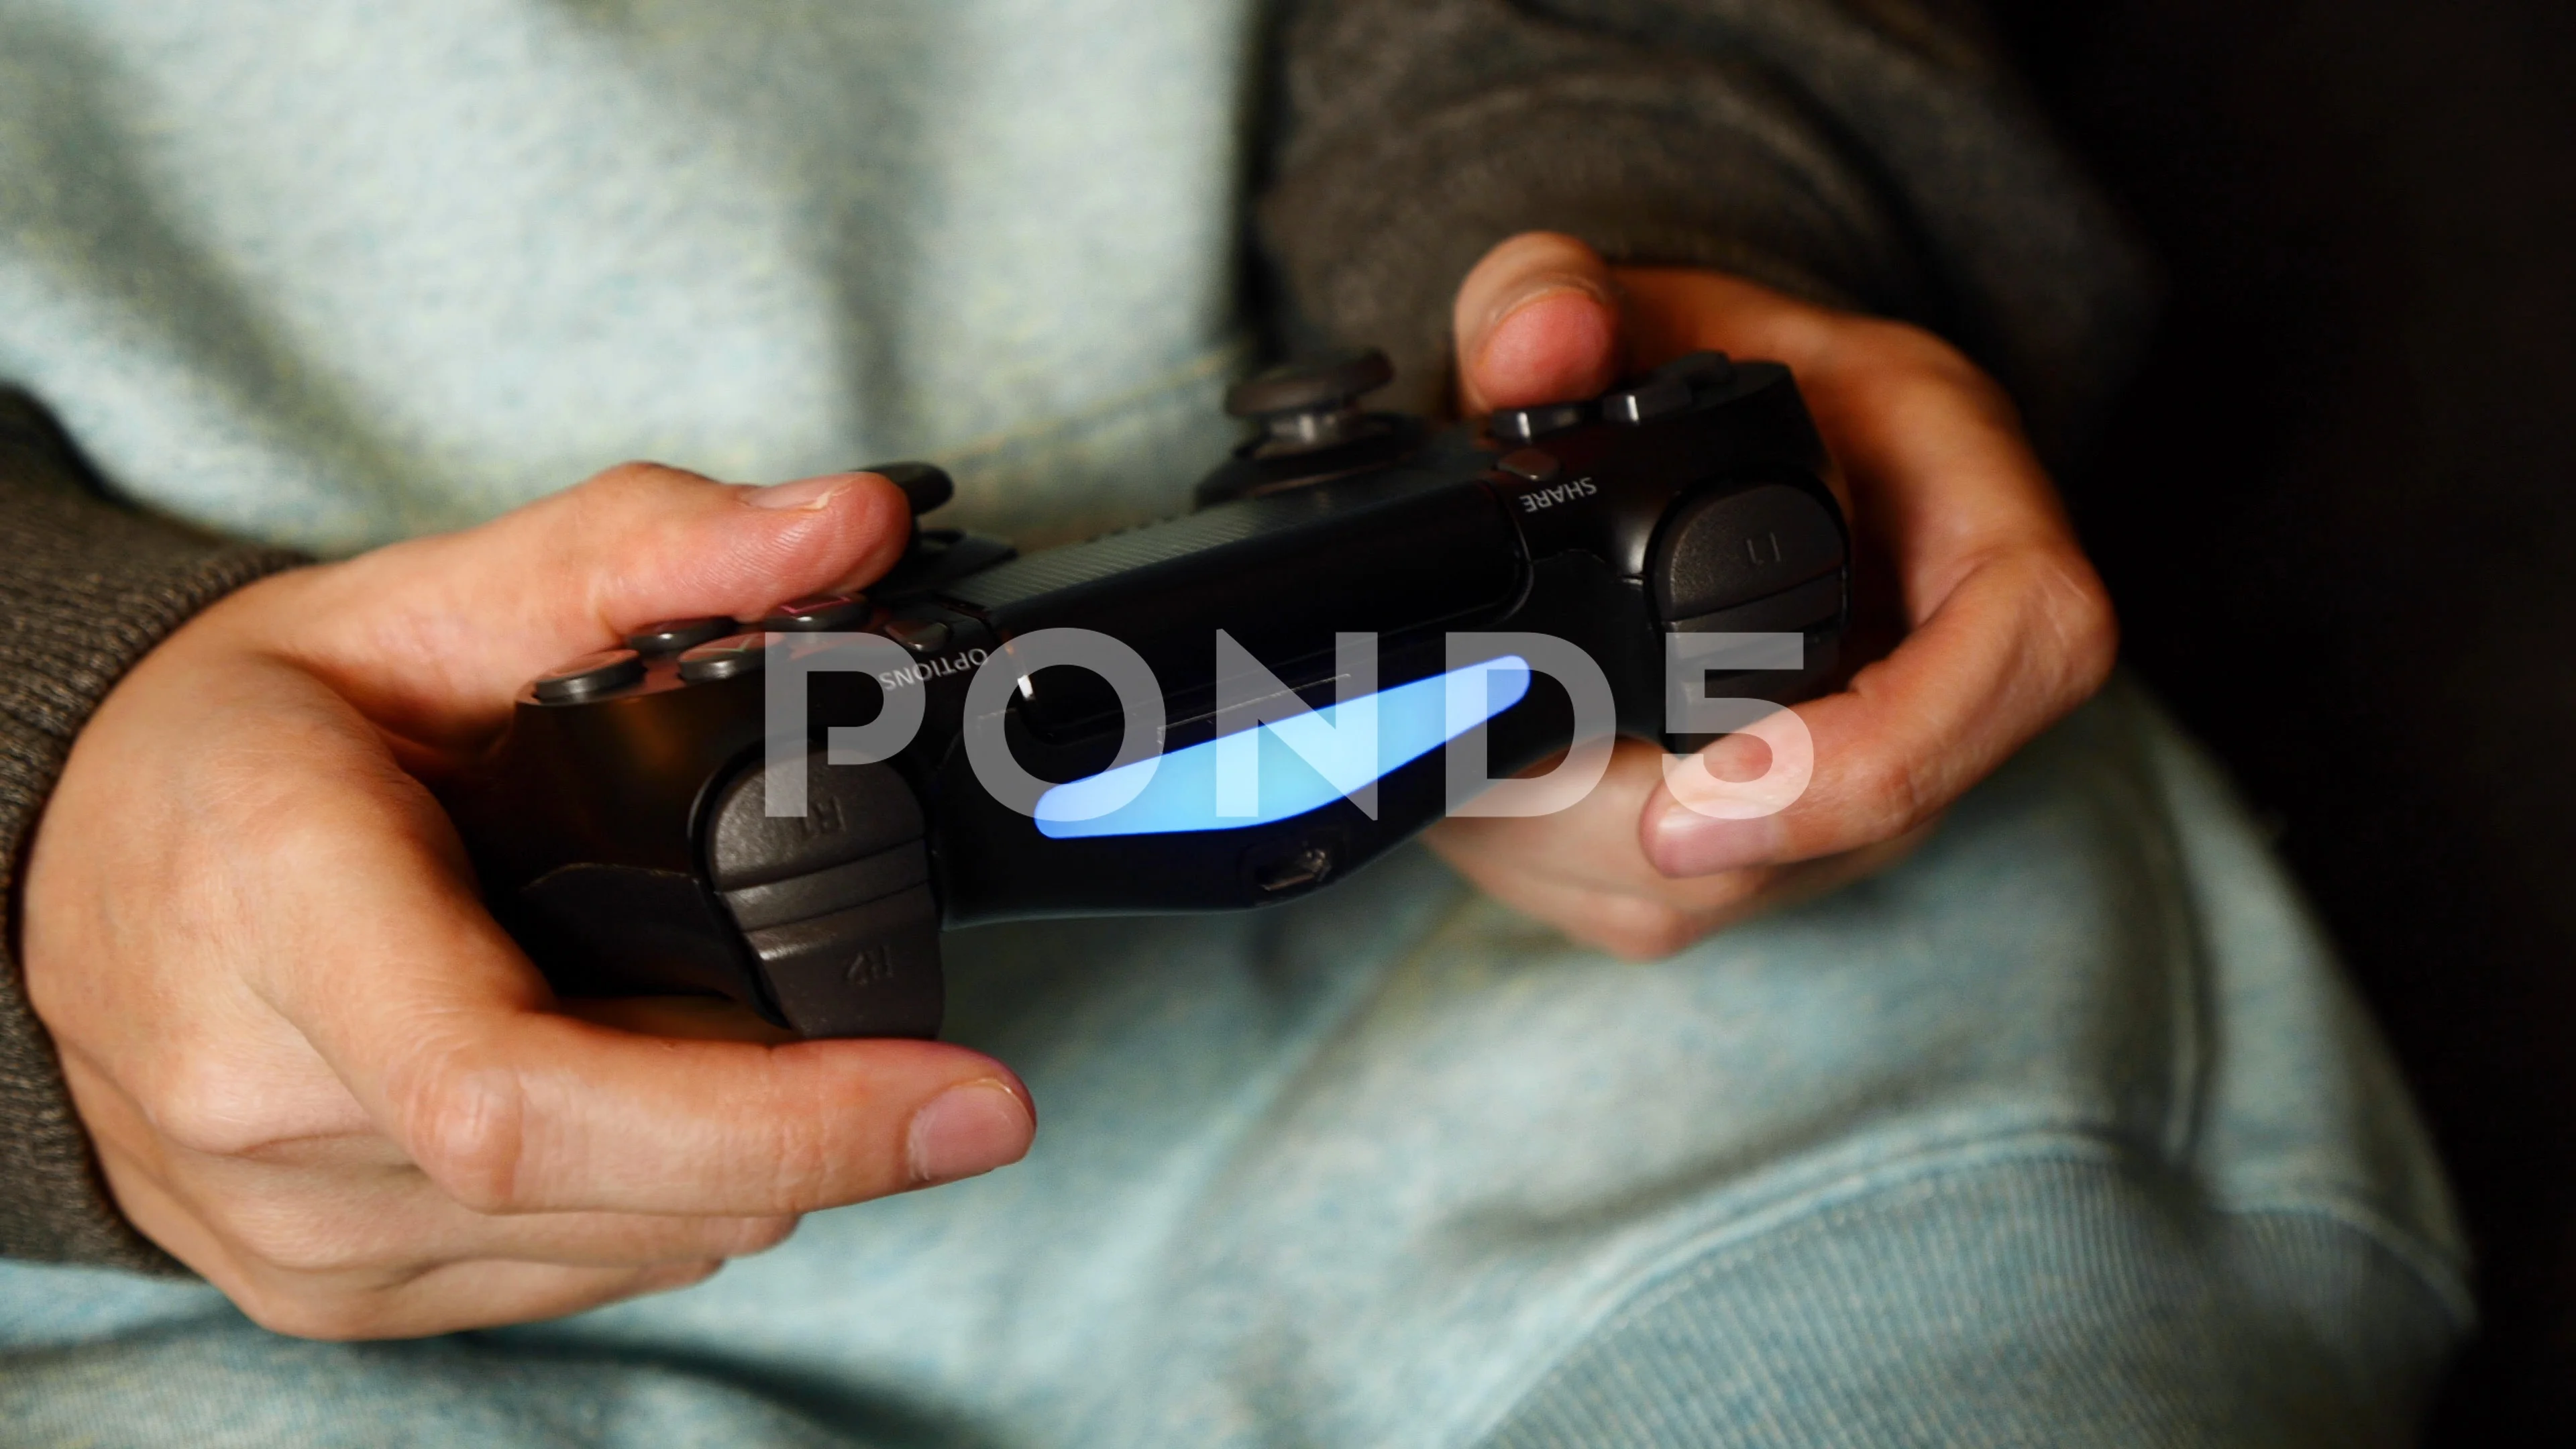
[(590, 676), (1669, 389), (1660, 398), (921, 637), (1528, 425), (723, 659), (1531, 464), (821, 614), (671, 636)]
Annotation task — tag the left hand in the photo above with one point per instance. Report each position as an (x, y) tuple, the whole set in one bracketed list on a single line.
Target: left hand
[(2005, 624)]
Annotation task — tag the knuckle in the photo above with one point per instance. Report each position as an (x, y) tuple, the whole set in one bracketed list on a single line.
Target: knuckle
[(763, 1234), (329, 1316), (671, 1280), (209, 1120), (1920, 350), (810, 1170), (290, 811), (1891, 797), (190, 1102), (290, 1241), (603, 505), (613, 514), (214, 1103), (1633, 928), (625, 480), (465, 1126), (753, 1236), (2085, 627), (1920, 366), (1820, 335)]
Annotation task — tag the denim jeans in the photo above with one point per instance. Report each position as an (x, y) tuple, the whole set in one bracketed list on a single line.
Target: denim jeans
[(2065, 1131)]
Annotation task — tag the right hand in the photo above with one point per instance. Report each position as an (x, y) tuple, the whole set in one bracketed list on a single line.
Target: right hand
[(314, 1068), (2006, 626)]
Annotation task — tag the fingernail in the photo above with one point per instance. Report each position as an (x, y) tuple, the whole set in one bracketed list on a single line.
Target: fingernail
[(810, 494), (1539, 286), (967, 1130), (1683, 843)]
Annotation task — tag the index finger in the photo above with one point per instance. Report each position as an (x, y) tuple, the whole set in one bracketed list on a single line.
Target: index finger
[(440, 1028)]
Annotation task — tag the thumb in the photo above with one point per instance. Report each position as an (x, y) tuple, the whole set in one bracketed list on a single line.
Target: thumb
[(1537, 321), (437, 634)]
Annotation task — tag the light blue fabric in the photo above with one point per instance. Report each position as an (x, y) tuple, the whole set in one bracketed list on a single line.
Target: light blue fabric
[(336, 274), (2064, 1132)]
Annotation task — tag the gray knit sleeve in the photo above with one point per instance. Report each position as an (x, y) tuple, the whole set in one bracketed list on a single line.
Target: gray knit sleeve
[(86, 588), (1867, 153)]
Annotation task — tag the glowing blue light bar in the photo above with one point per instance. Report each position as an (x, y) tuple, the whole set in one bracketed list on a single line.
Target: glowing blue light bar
[(1299, 760)]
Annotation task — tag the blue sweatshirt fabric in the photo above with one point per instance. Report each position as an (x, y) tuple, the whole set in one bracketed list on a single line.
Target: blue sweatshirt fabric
[(332, 276), (2065, 1131)]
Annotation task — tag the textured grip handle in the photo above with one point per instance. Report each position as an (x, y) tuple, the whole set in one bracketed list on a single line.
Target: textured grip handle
[(835, 904)]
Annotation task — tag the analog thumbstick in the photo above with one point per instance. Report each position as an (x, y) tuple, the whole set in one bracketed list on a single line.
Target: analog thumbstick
[(1312, 403), (1323, 384)]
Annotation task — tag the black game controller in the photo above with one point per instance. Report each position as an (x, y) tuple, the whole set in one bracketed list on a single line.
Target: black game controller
[(624, 830)]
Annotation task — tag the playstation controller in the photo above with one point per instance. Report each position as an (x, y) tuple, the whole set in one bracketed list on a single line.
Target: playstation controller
[(786, 811)]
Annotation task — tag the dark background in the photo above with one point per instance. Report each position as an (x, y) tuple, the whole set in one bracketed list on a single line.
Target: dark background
[(2337, 514)]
